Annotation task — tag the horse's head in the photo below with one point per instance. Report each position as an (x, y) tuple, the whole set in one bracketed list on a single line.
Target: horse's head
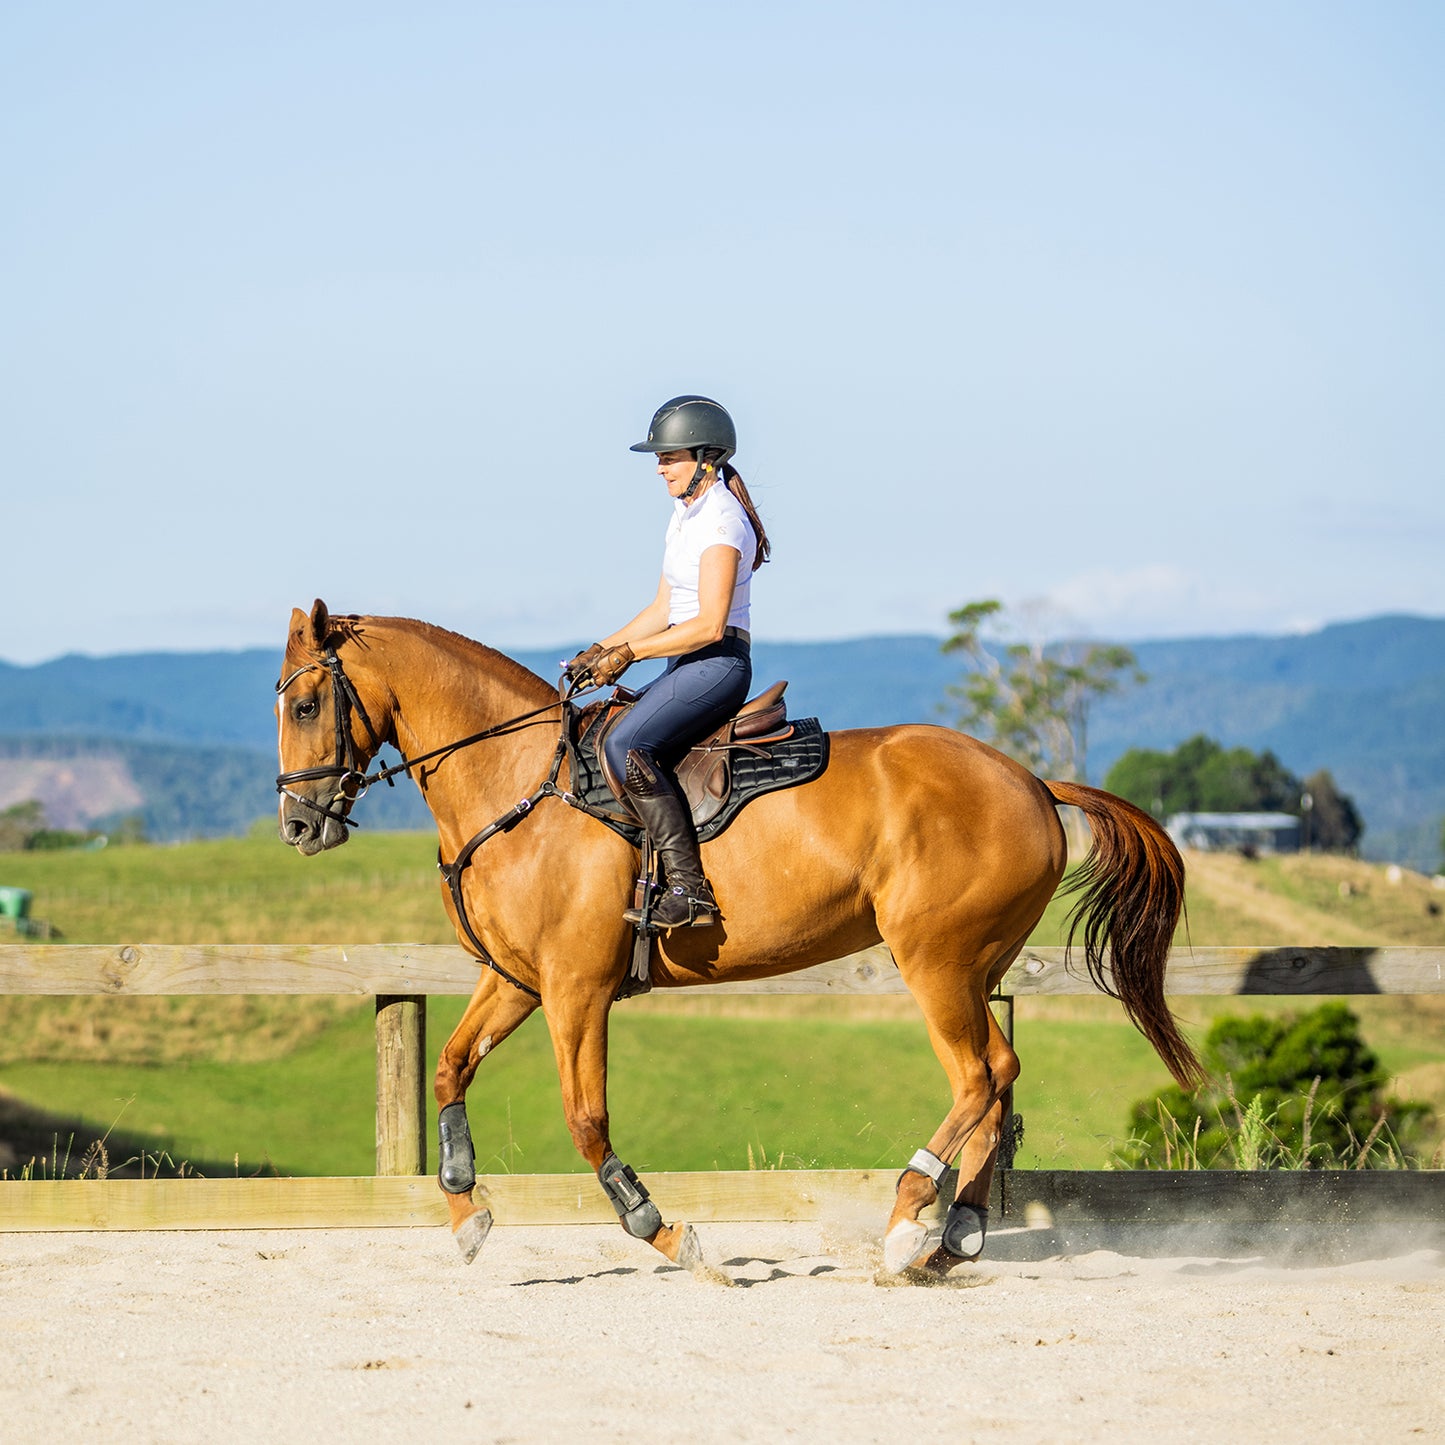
[(326, 733)]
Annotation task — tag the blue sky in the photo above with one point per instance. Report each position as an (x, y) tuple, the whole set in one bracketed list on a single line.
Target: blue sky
[(1133, 315)]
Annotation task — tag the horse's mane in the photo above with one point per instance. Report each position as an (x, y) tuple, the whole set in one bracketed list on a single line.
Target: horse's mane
[(507, 670)]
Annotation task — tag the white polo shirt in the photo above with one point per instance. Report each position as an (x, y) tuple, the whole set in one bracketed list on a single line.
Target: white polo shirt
[(716, 518)]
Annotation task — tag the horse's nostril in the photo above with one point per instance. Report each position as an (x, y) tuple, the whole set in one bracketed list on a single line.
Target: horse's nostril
[(295, 829)]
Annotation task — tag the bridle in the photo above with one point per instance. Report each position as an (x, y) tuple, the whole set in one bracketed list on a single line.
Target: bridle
[(346, 769), (344, 701)]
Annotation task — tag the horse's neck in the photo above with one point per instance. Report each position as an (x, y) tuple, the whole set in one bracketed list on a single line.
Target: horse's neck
[(447, 688)]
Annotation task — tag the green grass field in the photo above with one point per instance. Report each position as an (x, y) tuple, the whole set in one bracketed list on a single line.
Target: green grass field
[(686, 1093), (286, 1084)]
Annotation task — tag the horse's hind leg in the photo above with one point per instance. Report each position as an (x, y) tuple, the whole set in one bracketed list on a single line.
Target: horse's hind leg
[(495, 1010), (981, 1066), (578, 1022)]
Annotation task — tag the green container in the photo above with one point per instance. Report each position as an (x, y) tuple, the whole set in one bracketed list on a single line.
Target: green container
[(15, 903)]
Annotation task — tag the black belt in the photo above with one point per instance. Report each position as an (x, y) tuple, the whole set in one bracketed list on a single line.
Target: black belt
[(740, 633)]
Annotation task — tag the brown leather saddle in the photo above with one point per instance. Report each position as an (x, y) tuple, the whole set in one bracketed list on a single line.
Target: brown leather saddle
[(756, 751), (705, 773)]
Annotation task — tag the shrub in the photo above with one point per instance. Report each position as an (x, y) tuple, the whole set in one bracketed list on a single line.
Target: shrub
[(1295, 1092)]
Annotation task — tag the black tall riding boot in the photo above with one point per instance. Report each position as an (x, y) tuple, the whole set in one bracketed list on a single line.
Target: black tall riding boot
[(687, 900)]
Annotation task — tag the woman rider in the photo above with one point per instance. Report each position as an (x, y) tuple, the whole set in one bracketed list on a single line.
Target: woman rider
[(700, 621)]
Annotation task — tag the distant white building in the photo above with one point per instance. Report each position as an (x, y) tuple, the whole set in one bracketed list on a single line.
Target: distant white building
[(1235, 832)]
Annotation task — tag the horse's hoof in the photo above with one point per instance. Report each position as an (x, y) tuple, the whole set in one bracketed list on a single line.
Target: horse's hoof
[(689, 1257), (471, 1234), (908, 1243), (938, 1264), (689, 1251)]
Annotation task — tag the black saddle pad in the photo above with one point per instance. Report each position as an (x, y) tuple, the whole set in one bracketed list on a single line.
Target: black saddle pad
[(798, 759)]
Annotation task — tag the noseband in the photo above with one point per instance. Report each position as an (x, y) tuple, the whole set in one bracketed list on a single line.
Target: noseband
[(344, 701)]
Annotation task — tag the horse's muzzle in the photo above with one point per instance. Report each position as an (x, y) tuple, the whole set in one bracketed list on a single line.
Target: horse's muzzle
[(309, 830)]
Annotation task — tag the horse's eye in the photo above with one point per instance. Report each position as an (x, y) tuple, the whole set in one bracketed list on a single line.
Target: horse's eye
[(306, 708)]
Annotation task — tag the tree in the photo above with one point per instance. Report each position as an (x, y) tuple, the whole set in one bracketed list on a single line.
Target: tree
[(1294, 1092), (23, 826), (1201, 776), (18, 824), (1330, 821), (1030, 700), (1239, 781)]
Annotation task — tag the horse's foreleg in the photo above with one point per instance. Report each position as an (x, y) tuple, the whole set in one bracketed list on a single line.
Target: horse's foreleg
[(579, 1038), (981, 1067), (495, 1010)]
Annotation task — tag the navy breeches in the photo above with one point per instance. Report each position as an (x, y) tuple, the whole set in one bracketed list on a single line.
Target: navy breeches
[(695, 696)]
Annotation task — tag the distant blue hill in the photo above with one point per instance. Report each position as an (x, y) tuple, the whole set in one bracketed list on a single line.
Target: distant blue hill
[(1364, 699)]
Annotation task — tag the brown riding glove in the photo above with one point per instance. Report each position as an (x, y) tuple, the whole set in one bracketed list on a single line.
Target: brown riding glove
[(578, 667), (611, 665)]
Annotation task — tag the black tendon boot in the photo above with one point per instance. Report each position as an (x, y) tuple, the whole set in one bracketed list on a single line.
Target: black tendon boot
[(687, 900)]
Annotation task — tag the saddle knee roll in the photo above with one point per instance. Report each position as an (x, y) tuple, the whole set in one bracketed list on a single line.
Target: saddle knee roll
[(643, 780), (629, 1197)]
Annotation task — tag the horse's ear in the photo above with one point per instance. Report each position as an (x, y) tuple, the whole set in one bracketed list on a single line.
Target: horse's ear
[(319, 625), (300, 626)]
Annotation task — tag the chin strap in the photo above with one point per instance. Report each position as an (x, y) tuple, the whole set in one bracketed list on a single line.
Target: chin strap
[(704, 468)]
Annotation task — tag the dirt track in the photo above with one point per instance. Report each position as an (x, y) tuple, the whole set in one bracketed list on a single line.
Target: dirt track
[(360, 1335)]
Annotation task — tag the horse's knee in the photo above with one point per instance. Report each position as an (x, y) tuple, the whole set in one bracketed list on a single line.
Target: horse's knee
[(589, 1133), (457, 1065)]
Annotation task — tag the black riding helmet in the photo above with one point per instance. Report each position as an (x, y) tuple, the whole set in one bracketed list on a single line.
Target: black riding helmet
[(695, 424)]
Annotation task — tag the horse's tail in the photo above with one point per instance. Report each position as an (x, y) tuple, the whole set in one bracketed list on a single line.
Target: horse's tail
[(1133, 894)]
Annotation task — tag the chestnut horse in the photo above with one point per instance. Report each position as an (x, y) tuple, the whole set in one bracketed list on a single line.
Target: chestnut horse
[(916, 836)]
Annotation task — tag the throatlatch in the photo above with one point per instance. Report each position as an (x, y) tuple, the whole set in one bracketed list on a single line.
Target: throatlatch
[(629, 1197), (458, 1169)]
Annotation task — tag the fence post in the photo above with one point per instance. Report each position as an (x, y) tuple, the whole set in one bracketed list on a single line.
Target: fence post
[(1003, 1012), (400, 1084)]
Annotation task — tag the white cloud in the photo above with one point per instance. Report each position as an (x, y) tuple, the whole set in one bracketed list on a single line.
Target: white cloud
[(1164, 600)]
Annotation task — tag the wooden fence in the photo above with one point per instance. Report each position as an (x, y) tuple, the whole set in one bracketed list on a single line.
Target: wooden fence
[(401, 976)]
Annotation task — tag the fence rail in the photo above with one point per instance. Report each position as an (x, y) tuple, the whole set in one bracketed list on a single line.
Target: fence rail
[(401, 976), (416, 970), (1242, 1200)]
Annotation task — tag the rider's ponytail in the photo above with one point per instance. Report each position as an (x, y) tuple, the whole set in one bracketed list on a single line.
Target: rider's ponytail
[(734, 484)]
